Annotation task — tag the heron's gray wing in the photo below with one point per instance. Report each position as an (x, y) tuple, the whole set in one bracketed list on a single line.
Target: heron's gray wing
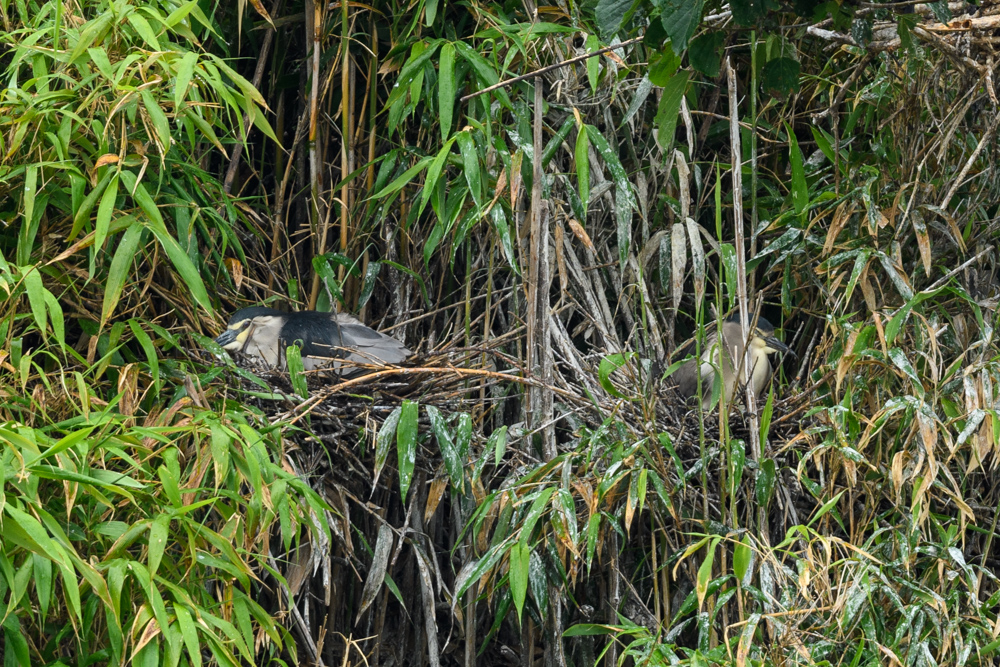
[(368, 346)]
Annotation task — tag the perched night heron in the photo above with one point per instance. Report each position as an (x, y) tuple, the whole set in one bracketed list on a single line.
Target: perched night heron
[(762, 343), (326, 340)]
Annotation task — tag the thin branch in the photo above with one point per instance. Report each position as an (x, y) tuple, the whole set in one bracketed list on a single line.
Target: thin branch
[(549, 68)]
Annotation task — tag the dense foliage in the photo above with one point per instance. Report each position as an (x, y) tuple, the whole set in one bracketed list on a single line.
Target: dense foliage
[(533, 484)]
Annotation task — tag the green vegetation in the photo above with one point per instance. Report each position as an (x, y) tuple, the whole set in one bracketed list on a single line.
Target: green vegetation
[(528, 489)]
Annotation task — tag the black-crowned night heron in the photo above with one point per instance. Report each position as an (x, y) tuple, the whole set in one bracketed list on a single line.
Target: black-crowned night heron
[(325, 340), (762, 343)]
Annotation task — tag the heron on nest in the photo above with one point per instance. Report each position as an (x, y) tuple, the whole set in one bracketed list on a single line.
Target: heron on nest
[(326, 340), (762, 343)]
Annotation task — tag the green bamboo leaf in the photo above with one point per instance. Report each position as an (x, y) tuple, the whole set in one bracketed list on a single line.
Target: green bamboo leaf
[(191, 114), (705, 573), (765, 417), (296, 370), (260, 121), (142, 27), (800, 191), (190, 634), (69, 441), (446, 87), (183, 77), (171, 486), (121, 265), (157, 541), (483, 70), (158, 118), (593, 64), (593, 532), (583, 168), (406, 443), (220, 443), (449, 451), (742, 557), (518, 568), (55, 316), (609, 365), (670, 106), (498, 443), (87, 205), (36, 296), (765, 482), (470, 160), (499, 220), (537, 507), (146, 343), (434, 172), (413, 68), (104, 213), (592, 629), (403, 180), (185, 267), (30, 190)]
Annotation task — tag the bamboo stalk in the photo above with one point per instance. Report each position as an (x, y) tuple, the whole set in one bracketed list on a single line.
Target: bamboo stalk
[(346, 119), (539, 341), (314, 23)]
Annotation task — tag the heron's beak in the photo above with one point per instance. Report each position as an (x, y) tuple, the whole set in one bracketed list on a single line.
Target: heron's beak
[(775, 345), (227, 337)]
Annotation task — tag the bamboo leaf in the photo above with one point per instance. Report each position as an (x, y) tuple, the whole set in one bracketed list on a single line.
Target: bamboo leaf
[(670, 106), (376, 573), (36, 296), (449, 452), (158, 530), (800, 191), (121, 265), (583, 168), (520, 555), (184, 75), (406, 444), (446, 87)]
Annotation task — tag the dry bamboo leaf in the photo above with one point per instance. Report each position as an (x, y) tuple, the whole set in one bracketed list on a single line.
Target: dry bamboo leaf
[(434, 495), (880, 330), (840, 218), (897, 472), (106, 159), (867, 290), (128, 380), (151, 630), (561, 259), (846, 360), (923, 240), (697, 261), (581, 234), (515, 178), (235, 270), (259, 7), (497, 191), (678, 248), (894, 211), (683, 177)]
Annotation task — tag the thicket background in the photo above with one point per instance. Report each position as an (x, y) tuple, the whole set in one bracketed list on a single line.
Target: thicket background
[(530, 490)]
